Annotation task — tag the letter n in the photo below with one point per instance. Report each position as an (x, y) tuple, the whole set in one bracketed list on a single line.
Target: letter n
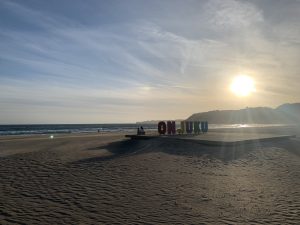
[(171, 127)]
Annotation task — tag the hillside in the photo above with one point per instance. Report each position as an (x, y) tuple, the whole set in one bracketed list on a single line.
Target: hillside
[(155, 122), (286, 113)]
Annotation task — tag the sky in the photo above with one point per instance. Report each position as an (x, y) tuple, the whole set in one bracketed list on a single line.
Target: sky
[(91, 61)]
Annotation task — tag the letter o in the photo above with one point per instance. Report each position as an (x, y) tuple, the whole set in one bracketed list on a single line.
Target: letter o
[(162, 127)]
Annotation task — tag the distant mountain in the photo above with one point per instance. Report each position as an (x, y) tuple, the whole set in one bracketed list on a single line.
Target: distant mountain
[(157, 121), (286, 113)]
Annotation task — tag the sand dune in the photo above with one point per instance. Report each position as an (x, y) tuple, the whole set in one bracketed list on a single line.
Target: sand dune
[(105, 179)]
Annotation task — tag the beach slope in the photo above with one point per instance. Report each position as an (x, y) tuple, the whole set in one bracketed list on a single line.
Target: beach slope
[(106, 179)]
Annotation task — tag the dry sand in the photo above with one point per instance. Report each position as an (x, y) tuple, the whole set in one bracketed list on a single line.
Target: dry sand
[(106, 179)]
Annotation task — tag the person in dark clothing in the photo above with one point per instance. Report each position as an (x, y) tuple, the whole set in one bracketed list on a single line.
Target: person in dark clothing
[(142, 132)]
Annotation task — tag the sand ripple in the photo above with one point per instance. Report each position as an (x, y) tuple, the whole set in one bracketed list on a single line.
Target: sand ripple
[(150, 182)]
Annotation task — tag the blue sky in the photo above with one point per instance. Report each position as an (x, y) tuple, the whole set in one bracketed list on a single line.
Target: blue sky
[(125, 61)]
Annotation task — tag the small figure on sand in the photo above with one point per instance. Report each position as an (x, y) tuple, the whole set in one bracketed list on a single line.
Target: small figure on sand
[(140, 131)]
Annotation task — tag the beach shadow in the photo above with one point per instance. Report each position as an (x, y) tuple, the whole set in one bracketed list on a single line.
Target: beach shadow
[(193, 149), (118, 149), (229, 153), (291, 145), (126, 148)]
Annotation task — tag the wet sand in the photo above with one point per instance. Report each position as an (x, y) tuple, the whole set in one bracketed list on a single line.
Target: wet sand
[(107, 179)]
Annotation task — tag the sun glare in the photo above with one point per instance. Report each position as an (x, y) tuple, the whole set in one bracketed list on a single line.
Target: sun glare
[(242, 86)]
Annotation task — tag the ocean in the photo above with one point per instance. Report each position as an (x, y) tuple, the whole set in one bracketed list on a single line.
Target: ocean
[(93, 128), (68, 128)]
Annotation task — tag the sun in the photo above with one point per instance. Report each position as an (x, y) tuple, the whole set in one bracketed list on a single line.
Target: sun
[(242, 86)]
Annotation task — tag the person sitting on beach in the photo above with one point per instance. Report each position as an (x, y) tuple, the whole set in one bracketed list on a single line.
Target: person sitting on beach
[(142, 132)]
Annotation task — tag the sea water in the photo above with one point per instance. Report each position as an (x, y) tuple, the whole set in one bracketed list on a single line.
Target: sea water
[(68, 128), (93, 128)]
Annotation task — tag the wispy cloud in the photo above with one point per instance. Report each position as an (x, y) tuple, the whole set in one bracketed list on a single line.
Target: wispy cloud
[(232, 14)]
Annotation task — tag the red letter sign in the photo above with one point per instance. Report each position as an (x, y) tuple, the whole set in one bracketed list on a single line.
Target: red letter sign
[(171, 127), (162, 127)]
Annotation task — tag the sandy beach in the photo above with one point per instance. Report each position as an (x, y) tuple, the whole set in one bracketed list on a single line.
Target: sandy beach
[(107, 179)]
